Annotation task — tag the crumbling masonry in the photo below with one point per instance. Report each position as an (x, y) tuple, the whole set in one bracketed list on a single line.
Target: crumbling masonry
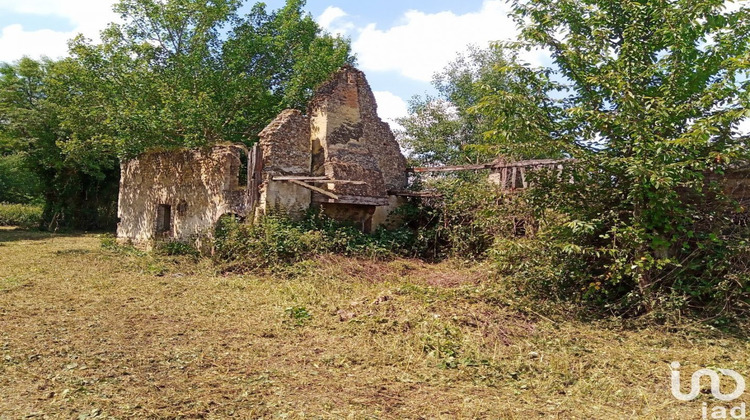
[(340, 157)]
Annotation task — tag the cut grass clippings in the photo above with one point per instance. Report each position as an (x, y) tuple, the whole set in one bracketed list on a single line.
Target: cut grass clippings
[(96, 332)]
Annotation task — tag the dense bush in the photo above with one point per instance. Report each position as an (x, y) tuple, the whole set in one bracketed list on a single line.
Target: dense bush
[(22, 215), (277, 241), (467, 218), (18, 184), (463, 223), (173, 248)]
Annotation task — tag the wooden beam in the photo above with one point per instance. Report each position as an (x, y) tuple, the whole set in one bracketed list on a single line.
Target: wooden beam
[(338, 181), (299, 178), (519, 164), (354, 199), (450, 168), (423, 194), (531, 162), (254, 174), (314, 188), (317, 180)]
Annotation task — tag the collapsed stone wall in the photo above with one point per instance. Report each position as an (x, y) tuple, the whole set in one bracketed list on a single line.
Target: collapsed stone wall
[(345, 142), (349, 139), (179, 195)]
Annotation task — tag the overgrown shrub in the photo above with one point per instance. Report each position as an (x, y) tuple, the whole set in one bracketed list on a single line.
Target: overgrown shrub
[(471, 214), (177, 248), (22, 215), (276, 241), (592, 254)]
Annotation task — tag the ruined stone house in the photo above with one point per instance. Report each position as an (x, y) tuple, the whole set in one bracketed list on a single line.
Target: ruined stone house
[(340, 157)]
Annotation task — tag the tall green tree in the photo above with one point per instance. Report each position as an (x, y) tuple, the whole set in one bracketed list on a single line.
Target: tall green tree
[(188, 73), (656, 91), (76, 189), (18, 183)]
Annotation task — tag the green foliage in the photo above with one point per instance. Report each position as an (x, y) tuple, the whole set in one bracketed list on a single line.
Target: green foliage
[(108, 242), (463, 224), (444, 345), (456, 127), (276, 242), (467, 217), (79, 189), (23, 215), (177, 248), (18, 184), (647, 97), (189, 74), (654, 93), (177, 73)]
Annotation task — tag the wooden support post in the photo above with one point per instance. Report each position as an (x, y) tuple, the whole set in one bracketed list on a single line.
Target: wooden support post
[(254, 175)]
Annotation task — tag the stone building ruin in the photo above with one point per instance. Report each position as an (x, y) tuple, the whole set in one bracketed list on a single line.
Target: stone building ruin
[(339, 157), (179, 194)]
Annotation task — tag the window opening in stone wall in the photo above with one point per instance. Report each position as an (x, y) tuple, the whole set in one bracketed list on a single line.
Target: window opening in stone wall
[(182, 208), (163, 218)]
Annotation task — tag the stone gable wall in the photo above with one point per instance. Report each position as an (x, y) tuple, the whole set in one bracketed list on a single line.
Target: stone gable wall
[(347, 141)]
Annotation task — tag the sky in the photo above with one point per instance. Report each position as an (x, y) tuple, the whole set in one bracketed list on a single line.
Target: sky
[(399, 44)]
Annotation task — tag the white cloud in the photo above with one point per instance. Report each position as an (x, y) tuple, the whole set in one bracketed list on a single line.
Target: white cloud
[(425, 43), (330, 20), (86, 16), (390, 107), (329, 15), (15, 43)]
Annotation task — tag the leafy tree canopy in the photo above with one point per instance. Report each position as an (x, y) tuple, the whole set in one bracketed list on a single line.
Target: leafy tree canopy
[(192, 73), (647, 97), (450, 128)]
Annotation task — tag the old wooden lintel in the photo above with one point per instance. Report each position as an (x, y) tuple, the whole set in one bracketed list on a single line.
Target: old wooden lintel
[(519, 164), (314, 188), (353, 199), (317, 180), (423, 194)]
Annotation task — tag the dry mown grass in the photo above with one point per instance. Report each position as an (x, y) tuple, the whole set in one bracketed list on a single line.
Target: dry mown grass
[(86, 332)]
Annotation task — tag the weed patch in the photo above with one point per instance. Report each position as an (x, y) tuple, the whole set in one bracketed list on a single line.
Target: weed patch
[(22, 215)]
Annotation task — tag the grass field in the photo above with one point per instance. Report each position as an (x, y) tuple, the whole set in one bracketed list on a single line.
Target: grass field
[(93, 333)]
